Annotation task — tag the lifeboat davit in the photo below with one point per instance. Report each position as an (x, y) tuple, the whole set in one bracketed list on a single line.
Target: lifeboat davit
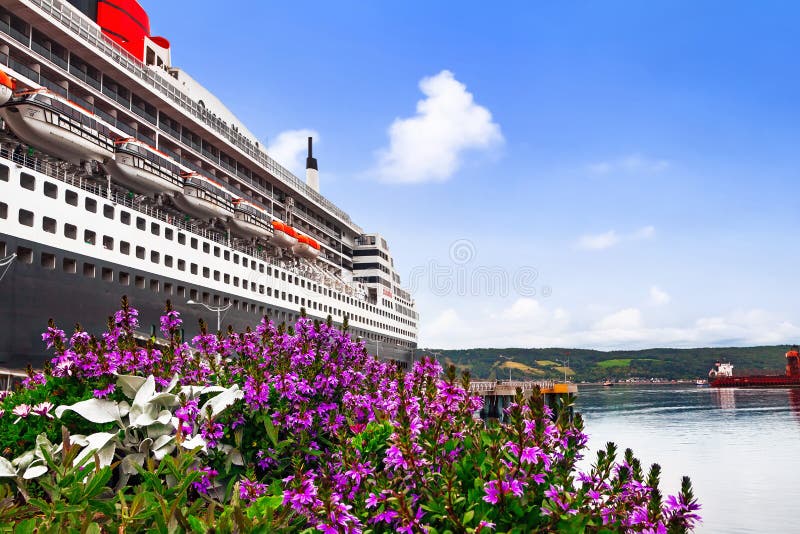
[(203, 197), (250, 220), (284, 236), (306, 247), (59, 127), (7, 86), (144, 169)]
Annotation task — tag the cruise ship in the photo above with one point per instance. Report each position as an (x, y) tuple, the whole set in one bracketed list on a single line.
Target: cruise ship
[(122, 175)]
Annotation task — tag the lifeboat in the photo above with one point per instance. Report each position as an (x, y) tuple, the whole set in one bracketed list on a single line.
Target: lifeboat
[(250, 220), (6, 87), (284, 236), (144, 169), (306, 247), (203, 197), (49, 121)]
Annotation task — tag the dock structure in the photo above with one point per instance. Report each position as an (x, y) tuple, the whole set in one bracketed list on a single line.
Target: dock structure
[(498, 394)]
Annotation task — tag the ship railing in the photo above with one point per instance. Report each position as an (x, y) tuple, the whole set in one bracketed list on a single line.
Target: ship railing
[(62, 172), (68, 17), (488, 386)]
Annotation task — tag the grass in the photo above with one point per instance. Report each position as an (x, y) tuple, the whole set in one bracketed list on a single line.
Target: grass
[(545, 363), (522, 367), (561, 370), (622, 362)]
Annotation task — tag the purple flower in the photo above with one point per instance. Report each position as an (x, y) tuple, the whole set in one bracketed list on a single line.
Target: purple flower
[(102, 393), (43, 409), (22, 410), (250, 490)]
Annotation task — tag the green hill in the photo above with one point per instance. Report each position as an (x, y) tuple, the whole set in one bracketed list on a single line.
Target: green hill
[(595, 365)]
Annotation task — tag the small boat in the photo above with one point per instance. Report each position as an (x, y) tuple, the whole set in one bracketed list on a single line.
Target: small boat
[(144, 169), (608, 383), (59, 126), (306, 247), (204, 198), (6, 87), (701, 383), (285, 236), (250, 220)]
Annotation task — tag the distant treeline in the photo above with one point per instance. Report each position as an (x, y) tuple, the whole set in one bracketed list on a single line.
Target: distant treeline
[(595, 365)]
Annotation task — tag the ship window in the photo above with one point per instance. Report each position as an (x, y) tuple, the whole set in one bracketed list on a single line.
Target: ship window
[(71, 197), (236, 281), (181, 238), (70, 231), (181, 265), (88, 270), (124, 247), (168, 260), (227, 278), (283, 276), (167, 288), (206, 298), (216, 276), (2, 249), (125, 217), (140, 252), (26, 217), (193, 243), (216, 251), (193, 268), (48, 260), (154, 256), (261, 289), (3, 210), (4, 173), (49, 225), (269, 291), (89, 237), (27, 181), (154, 285), (168, 233), (227, 255), (50, 190), (140, 223), (91, 205), (216, 300), (138, 281), (108, 211), (124, 278), (155, 229), (107, 274), (108, 242), (236, 259), (181, 291), (69, 265), (193, 294), (283, 295), (206, 248), (261, 267), (206, 272)]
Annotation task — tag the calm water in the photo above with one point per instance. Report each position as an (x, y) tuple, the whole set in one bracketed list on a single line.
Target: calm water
[(740, 447)]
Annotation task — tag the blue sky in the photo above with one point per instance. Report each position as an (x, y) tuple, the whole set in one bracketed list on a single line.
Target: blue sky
[(639, 157)]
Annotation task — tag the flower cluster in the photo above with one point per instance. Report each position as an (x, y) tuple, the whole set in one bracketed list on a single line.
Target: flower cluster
[(339, 441)]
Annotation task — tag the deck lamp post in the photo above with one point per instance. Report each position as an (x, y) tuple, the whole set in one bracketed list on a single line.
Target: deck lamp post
[(217, 309)]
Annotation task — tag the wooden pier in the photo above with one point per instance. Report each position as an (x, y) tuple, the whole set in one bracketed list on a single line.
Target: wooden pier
[(498, 394)]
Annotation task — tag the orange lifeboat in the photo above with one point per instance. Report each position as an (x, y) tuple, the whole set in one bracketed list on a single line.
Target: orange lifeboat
[(284, 236), (306, 247), (7, 86)]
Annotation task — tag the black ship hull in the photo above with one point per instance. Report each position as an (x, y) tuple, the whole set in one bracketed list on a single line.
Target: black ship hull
[(36, 288)]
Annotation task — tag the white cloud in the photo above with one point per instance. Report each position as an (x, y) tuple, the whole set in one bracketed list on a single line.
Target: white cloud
[(633, 163), (289, 148), (429, 146), (598, 241), (659, 297), (529, 323), (611, 238)]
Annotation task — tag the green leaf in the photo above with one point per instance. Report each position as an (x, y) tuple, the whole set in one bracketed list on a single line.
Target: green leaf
[(468, 517), (26, 527), (197, 525)]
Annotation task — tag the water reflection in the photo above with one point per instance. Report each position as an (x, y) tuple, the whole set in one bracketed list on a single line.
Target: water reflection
[(738, 445)]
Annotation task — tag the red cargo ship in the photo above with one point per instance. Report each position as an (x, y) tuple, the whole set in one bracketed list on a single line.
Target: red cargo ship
[(722, 375)]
